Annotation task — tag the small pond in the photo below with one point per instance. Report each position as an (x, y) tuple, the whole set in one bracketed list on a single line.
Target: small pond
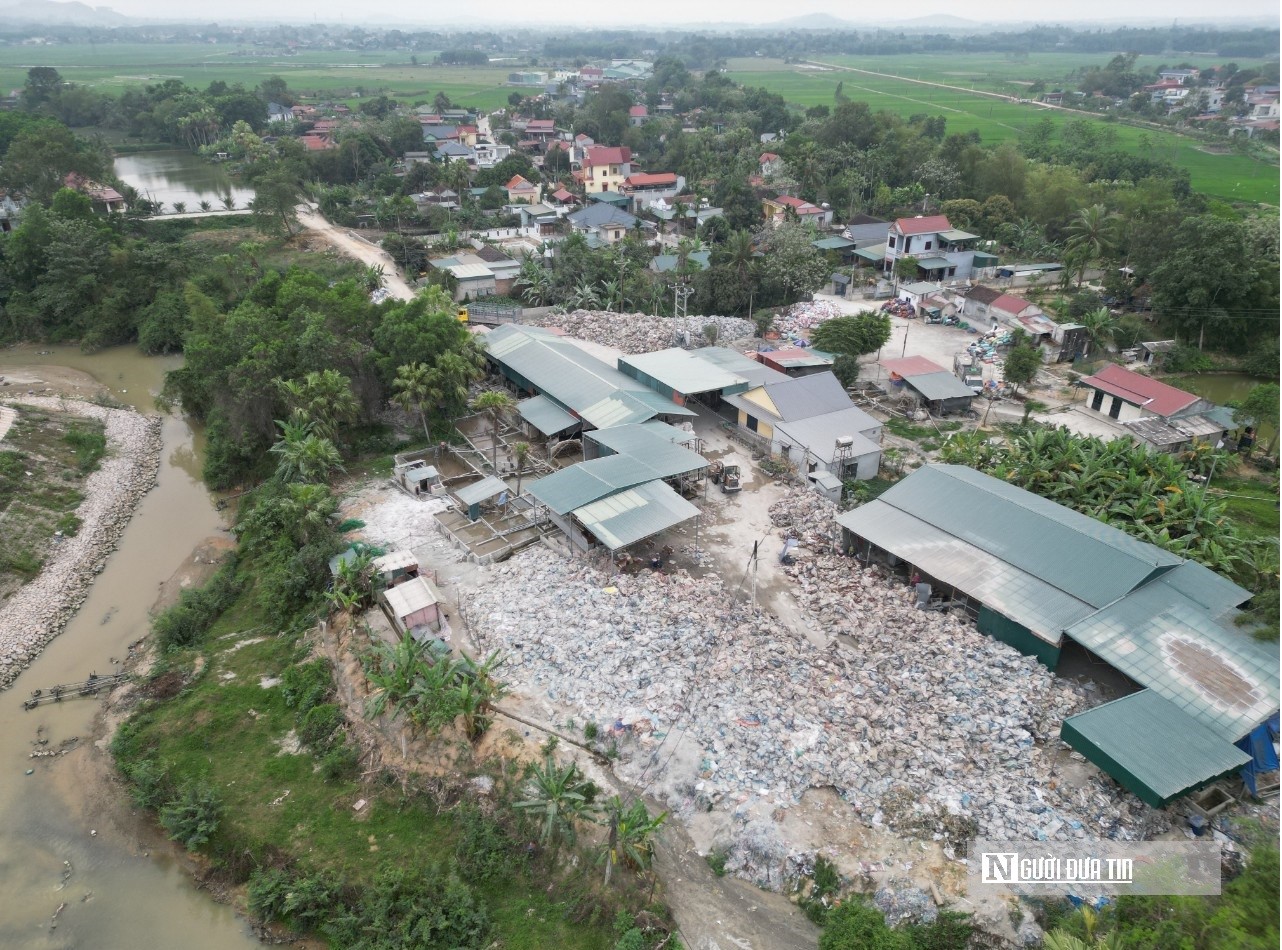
[(175, 175)]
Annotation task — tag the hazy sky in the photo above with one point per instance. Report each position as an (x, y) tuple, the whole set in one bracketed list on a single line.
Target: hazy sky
[(658, 12)]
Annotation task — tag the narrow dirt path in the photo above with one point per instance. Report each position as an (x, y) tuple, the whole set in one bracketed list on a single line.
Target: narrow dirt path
[(362, 251)]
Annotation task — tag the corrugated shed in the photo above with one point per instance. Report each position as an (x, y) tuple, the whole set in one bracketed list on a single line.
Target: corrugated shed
[(582, 484), (941, 385), (1202, 585), (1151, 747), (545, 415), (1083, 557), (653, 446), (1023, 597), (1224, 678), (635, 514), (684, 372), (598, 392), (477, 492)]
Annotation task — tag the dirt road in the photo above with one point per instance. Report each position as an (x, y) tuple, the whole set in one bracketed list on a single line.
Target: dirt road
[(362, 251)]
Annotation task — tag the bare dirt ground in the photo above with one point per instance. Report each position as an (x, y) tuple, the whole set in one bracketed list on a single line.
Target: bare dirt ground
[(362, 251)]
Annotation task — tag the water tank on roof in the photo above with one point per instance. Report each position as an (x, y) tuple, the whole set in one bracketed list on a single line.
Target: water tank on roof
[(845, 441)]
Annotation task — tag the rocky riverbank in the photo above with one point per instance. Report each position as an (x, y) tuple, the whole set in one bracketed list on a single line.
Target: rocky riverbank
[(38, 612)]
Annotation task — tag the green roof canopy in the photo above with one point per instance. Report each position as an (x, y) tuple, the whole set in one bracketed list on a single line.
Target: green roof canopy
[(683, 372), (934, 263), (954, 235), (876, 252), (1152, 747), (634, 515), (1163, 638), (572, 488), (832, 243), (985, 260), (545, 415)]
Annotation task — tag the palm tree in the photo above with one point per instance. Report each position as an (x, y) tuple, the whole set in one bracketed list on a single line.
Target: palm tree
[(205, 205), (304, 456), (324, 398), (631, 839), (413, 389), (535, 282), (559, 797), (180, 207), (229, 203), (1090, 237), (494, 402), (1100, 326), (521, 452), (310, 509)]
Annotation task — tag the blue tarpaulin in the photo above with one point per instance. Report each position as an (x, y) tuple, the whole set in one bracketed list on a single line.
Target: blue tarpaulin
[(1259, 745)]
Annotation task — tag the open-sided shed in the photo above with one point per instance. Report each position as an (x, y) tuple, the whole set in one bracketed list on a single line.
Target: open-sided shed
[(472, 496), (634, 515)]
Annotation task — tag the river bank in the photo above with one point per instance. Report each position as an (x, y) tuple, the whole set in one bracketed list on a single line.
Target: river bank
[(40, 610)]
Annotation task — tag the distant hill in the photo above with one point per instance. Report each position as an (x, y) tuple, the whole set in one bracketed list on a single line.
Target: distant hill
[(54, 13), (812, 21)]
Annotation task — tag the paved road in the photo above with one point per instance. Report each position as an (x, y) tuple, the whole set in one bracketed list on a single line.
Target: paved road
[(361, 250)]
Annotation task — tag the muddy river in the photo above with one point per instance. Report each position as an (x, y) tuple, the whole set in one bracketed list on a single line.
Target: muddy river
[(78, 868)]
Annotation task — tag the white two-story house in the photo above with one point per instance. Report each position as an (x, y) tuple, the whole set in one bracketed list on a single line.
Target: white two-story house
[(942, 252)]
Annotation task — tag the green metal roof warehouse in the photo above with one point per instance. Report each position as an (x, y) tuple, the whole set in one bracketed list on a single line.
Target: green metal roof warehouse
[(1034, 572)]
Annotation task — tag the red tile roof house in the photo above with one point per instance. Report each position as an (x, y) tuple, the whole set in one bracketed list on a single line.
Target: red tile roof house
[(770, 163), (638, 115), (521, 191), (776, 209), (942, 252), (605, 168), (1125, 395)]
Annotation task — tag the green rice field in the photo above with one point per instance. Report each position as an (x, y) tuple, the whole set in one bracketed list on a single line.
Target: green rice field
[(341, 74), (1229, 176)]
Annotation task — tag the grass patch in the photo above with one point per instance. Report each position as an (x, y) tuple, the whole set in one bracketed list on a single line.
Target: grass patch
[(1251, 503), (224, 737), (43, 462), (1230, 176), (909, 430)]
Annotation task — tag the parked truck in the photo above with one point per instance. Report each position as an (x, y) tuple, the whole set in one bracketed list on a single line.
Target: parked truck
[(969, 371)]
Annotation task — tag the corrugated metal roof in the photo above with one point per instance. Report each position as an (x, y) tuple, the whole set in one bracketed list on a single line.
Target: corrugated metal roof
[(571, 376), (832, 243), (802, 397), (1019, 595), (798, 356), (395, 561), (918, 287), (671, 433), (954, 235), (941, 385), (1151, 746), (874, 252), (478, 492), (819, 434), (757, 374), (634, 515), (411, 596), (911, 366), (683, 372), (1088, 559), (643, 441), (1224, 678), (471, 271), (545, 415), (582, 484), (933, 263), (1203, 586)]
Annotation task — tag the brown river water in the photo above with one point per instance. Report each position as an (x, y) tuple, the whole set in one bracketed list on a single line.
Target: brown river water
[(68, 836)]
